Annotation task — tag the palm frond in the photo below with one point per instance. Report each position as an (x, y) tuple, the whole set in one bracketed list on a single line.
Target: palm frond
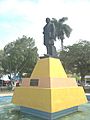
[(67, 29), (63, 19)]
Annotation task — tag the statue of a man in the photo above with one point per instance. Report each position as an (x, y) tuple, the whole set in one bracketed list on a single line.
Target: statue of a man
[(49, 37)]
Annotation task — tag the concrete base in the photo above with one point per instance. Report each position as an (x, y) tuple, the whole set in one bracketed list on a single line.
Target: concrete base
[(47, 115)]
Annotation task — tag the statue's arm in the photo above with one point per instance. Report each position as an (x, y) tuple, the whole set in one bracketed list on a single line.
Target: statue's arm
[(43, 30)]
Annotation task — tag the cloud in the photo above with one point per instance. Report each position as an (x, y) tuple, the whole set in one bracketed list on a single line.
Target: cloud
[(27, 17)]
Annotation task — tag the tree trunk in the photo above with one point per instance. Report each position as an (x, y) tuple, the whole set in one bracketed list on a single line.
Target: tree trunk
[(62, 45), (82, 80)]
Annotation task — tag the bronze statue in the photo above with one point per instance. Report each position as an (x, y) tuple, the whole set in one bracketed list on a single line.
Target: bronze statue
[(49, 37)]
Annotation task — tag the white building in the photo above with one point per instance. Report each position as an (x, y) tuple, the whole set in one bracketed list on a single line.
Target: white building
[(87, 80)]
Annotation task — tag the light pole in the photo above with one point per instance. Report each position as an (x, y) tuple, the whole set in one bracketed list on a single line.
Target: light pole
[(9, 65)]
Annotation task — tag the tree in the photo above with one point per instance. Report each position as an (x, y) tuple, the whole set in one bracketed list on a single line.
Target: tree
[(76, 58), (62, 29), (20, 56), (1, 58)]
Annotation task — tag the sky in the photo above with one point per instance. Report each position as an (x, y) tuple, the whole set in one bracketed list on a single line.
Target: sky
[(27, 17)]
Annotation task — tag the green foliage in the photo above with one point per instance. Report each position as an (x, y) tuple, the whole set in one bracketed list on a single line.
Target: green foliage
[(20, 56), (1, 58), (62, 29), (76, 58)]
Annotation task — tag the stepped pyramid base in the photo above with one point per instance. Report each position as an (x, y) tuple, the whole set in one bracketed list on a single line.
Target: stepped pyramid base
[(49, 99), (49, 93)]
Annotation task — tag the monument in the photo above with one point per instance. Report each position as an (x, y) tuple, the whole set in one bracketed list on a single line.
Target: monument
[(49, 37), (49, 93)]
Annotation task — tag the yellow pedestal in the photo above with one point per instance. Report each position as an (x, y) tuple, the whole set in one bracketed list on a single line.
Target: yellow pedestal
[(49, 99), (53, 93)]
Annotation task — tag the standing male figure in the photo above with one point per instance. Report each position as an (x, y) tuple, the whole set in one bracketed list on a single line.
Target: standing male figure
[(49, 37)]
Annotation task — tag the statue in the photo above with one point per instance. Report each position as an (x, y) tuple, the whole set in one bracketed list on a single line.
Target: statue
[(49, 37)]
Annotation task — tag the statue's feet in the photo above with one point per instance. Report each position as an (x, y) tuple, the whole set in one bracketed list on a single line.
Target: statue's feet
[(47, 55)]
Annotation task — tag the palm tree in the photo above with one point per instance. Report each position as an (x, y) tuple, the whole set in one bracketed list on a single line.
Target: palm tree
[(62, 29)]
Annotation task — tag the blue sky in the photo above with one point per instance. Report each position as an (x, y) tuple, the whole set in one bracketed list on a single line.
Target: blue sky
[(27, 17)]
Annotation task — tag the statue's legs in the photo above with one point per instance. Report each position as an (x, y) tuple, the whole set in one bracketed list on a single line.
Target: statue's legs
[(54, 53), (51, 50)]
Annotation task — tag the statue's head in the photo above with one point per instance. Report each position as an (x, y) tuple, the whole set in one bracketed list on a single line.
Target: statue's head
[(47, 20)]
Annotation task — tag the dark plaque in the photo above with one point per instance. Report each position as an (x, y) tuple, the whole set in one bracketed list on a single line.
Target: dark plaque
[(34, 82)]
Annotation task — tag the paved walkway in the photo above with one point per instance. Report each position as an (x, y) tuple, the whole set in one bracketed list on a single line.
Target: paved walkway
[(11, 94), (87, 93), (6, 94)]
